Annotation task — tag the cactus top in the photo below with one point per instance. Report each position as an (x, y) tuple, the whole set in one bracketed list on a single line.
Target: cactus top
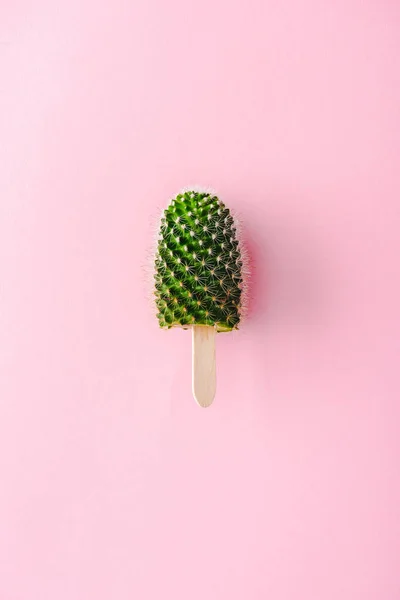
[(198, 264)]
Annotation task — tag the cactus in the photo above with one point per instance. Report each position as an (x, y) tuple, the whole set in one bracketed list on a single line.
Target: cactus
[(198, 264)]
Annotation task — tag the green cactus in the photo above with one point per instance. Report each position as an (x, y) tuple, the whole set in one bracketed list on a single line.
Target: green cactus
[(198, 264)]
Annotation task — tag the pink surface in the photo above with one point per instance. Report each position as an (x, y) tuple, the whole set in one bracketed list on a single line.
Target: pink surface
[(114, 484)]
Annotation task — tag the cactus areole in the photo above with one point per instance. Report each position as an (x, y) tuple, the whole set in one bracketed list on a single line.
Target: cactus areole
[(198, 264)]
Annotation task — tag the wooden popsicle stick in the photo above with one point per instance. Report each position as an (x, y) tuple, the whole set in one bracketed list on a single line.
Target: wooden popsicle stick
[(203, 364)]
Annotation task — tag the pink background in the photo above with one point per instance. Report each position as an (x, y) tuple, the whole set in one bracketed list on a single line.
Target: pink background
[(113, 483)]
